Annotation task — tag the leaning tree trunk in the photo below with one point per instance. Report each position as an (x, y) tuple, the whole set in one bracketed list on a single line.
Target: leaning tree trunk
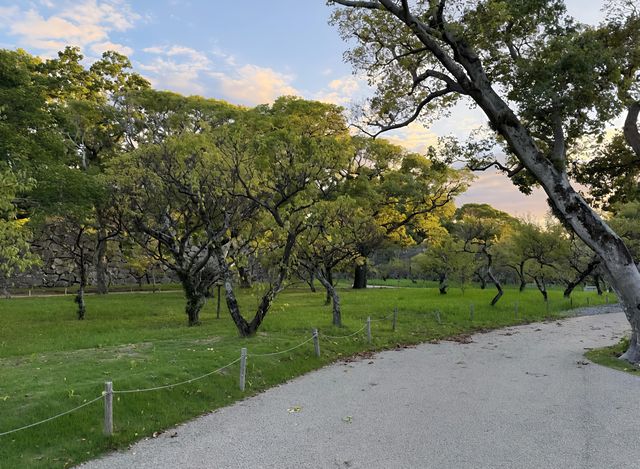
[(360, 276), (326, 282), (442, 286), (328, 276), (581, 277), (542, 287), (483, 281)]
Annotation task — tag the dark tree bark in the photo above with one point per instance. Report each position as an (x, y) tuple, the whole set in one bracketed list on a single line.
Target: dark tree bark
[(442, 286), (328, 276), (195, 292), (79, 299), (481, 279), (492, 277), (245, 328), (596, 280), (542, 286), (571, 285), (360, 276)]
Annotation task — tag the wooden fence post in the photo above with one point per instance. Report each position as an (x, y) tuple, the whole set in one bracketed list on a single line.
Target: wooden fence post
[(243, 367), (438, 318), (471, 311), (108, 408), (316, 342), (394, 322), (369, 329)]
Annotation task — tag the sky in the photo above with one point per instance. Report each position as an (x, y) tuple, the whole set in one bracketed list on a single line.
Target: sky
[(246, 52)]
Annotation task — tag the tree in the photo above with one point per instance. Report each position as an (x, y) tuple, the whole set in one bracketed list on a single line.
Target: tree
[(84, 108), (542, 81), (334, 231), (407, 194), (283, 159), (480, 228), (172, 204), (15, 253), (447, 260)]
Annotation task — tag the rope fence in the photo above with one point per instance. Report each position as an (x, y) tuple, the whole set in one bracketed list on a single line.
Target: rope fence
[(109, 392)]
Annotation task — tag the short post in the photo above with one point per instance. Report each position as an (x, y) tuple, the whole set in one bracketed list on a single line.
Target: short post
[(218, 308), (369, 329), (29, 291), (316, 342), (65, 290), (394, 322), (243, 367), (438, 318), (515, 309), (606, 298), (471, 311), (108, 408), (588, 301)]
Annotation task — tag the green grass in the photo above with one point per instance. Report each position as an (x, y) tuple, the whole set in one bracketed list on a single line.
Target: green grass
[(51, 362), (608, 356)]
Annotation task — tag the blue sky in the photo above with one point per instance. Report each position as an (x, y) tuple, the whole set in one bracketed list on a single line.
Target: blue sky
[(246, 52)]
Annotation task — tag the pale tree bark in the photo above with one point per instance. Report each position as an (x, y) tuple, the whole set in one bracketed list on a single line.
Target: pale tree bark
[(465, 70)]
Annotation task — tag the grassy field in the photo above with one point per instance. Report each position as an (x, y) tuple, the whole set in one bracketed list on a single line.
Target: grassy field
[(50, 362)]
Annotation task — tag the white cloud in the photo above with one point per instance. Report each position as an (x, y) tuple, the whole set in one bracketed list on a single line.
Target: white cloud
[(101, 47), (414, 137), (341, 91), (86, 24), (252, 84)]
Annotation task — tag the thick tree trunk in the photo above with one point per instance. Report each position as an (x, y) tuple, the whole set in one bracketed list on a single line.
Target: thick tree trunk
[(581, 277), (102, 276), (360, 276), (442, 286), (311, 282), (195, 295)]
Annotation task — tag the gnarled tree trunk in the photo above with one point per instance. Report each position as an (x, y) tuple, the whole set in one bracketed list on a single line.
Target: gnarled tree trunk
[(581, 277), (360, 276), (324, 279)]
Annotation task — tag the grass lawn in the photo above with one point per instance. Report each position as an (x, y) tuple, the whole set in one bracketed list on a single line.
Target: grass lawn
[(51, 362), (608, 356)]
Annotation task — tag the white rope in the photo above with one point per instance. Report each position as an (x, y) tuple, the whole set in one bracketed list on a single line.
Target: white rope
[(278, 353), (343, 336), (54, 417), (126, 391)]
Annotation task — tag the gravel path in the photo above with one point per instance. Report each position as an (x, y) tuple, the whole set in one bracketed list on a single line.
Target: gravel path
[(518, 397)]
